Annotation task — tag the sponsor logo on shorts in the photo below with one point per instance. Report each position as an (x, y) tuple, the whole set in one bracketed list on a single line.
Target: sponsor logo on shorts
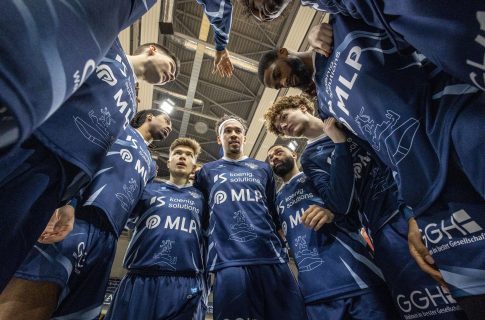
[(458, 225)]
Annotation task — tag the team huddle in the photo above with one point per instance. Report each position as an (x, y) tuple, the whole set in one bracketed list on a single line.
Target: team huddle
[(381, 212)]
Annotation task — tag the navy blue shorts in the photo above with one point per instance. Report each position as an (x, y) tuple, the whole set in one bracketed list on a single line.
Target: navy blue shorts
[(416, 295), (156, 297), (80, 265), (32, 183), (375, 304), (268, 292), (453, 229)]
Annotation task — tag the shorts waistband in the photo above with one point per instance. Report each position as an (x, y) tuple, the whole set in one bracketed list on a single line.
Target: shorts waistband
[(158, 273)]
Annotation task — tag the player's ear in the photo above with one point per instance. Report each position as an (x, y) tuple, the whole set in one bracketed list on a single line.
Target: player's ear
[(219, 140), (168, 164), (282, 53), (303, 108), (152, 50)]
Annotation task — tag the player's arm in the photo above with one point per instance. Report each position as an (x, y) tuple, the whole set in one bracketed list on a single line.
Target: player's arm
[(320, 38), (60, 224), (421, 254), (334, 181), (271, 198), (316, 216), (219, 14)]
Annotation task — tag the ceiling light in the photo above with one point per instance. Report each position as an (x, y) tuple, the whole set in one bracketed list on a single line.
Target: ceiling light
[(293, 145), (167, 106)]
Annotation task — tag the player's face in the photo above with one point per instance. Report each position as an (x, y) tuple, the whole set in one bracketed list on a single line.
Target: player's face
[(265, 10), (159, 68), (281, 160), (233, 138), (181, 161), (160, 127), (292, 122), (287, 71)]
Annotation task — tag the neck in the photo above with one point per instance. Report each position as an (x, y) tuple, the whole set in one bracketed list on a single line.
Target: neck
[(287, 177), (307, 58), (234, 156), (143, 130), (138, 65), (314, 129), (179, 180)]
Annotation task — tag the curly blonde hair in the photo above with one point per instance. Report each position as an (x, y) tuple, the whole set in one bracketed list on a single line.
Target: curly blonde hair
[(186, 142), (283, 103)]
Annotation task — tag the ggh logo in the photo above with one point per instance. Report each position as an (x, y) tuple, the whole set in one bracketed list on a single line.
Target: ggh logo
[(423, 299), (459, 224)]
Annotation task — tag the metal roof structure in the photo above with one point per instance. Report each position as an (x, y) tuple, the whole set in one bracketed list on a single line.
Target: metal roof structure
[(200, 97)]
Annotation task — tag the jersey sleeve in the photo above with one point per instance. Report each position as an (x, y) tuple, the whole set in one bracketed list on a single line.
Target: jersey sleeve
[(219, 14), (271, 196), (334, 182)]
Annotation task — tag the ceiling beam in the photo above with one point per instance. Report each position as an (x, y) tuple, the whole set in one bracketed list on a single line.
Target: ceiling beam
[(194, 77)]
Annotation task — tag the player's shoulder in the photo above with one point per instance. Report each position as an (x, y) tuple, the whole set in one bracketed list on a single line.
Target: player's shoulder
[(194, 192)]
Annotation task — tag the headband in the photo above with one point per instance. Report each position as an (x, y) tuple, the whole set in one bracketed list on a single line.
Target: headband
[(221, 126)]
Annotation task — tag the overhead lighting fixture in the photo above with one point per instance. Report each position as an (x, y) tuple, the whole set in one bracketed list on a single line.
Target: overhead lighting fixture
[(167, 106), (293, 145)]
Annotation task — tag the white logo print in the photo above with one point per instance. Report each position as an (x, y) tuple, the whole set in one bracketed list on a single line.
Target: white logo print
[(105, 74), (460, 222), (221, 177), (159, 201), (80, 257), (126, 155), (79, 79), (153, 221), (220, 197)]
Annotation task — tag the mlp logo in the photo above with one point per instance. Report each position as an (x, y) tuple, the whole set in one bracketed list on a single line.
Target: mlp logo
[(220, 197), (459, 224), (126, 155), (152, 221), (105, 74)]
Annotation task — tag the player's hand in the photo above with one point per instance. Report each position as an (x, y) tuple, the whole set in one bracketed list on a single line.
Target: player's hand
[(315, 217), (320, 39), (59, 226), (421, 254), (196, 169), (222, 64), (333, 132)]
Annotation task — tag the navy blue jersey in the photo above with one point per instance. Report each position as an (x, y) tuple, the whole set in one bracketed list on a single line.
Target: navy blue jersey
[(168, 234), (375, 192), (387, 100), (331, 262), (243, 222), (40, 72), (449, 33), (121, 178), (219, 14), (95, 115)]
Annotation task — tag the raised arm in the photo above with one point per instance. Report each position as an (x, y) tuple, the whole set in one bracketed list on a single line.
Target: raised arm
[(219, 14)]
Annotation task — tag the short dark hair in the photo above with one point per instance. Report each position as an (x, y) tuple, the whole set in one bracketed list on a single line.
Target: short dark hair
[(281, 146), (266, 60), (141, 116), (163, 49), (228, 117)]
